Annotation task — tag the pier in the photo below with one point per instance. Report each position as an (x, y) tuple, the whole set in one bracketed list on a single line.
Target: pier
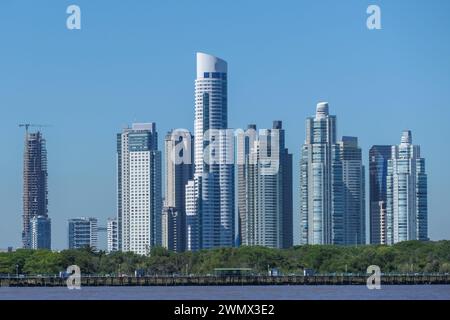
[(55, 281)]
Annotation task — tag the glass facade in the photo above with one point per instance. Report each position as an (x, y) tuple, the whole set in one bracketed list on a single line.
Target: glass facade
[(353, 191), (406, 187), (321, 198), (378, 163)]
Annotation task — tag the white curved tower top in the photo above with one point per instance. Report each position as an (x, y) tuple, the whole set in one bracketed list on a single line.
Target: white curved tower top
[(322, 110), (406, 137), (209, 63)]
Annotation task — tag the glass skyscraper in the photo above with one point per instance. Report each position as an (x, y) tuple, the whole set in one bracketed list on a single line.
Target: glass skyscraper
[(41, 236), (378, 163), (265, 188), (406, 208), (82, 232), (353, 179), (179, 170), (321, 185)]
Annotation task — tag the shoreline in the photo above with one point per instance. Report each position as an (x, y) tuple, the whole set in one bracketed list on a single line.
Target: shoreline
[(168, 281)]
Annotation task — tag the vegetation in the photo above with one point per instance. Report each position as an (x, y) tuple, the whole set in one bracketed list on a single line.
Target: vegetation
[(411, 256)]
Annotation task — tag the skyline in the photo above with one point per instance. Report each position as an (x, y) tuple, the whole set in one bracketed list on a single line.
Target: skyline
[(292, 103)]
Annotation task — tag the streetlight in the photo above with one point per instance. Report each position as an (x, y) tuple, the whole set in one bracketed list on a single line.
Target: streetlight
[(17, 271)]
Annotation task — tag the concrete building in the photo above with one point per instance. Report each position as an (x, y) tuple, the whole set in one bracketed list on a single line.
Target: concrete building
[(112, 235), (35, 191), (139, 188)]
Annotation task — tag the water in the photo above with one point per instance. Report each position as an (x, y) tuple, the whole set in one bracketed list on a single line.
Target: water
[(397, 292)]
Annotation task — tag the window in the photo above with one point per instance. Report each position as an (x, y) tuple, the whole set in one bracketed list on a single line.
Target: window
[(206, 75)]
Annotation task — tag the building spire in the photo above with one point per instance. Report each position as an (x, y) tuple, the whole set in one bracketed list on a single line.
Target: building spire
[(322, 110)]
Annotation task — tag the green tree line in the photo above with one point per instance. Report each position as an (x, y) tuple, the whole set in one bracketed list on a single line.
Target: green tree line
[(411, 256)]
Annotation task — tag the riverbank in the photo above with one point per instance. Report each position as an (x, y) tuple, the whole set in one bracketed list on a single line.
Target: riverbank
[(93, 281)]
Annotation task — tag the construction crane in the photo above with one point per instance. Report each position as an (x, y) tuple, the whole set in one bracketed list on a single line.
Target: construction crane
[(27, 125)]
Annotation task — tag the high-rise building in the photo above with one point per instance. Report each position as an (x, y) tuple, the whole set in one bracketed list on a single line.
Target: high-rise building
[(246, 194), (321, 186), (193, 201), (353, 179), (173, 230), (112, 235), (287, 239), (41, 237), (35, 192), (406, 208), (213, 201), (179, 170), (82, 233), (378, 163), (139, 188), (265, 188)]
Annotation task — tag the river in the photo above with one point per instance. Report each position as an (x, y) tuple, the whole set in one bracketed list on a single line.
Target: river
[(345, 292)]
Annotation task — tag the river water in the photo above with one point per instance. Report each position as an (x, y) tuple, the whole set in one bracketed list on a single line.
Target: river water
[(397, 292)]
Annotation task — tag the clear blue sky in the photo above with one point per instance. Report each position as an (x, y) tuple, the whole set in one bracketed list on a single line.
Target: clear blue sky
[(135, 61)]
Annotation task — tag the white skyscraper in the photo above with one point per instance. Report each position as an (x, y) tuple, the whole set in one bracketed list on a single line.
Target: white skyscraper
[(212, 206), (139, 188), (406, 210), (321, 186)]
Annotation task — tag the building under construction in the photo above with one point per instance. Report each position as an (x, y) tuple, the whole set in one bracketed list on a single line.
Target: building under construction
[(36, 223)]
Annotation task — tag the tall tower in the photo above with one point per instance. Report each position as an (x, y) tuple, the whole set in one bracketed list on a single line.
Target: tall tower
[(406, 210), (179, 170), (353, 179), (214, 174), (378, 163), (265, 188), (321, 198), (139, 188), (35, 193)]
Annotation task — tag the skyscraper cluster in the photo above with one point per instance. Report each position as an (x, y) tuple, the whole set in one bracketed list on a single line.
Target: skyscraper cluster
[(332, 188), (198, 209), (398, 193), (226, 187), (332, 200), (264, 188)]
